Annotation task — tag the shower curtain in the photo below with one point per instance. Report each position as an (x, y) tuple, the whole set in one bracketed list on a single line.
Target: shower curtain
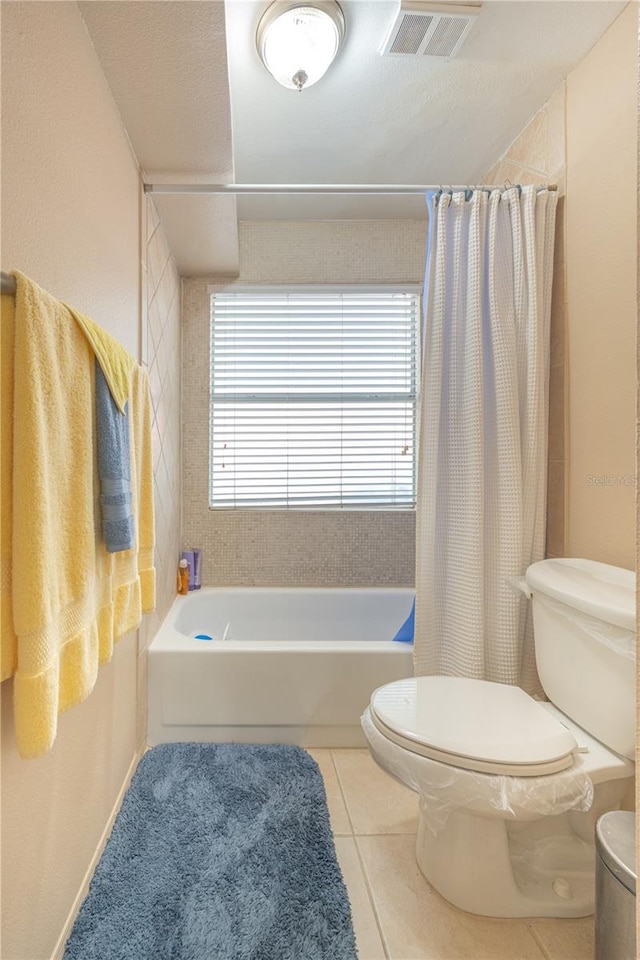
[(483, 431)]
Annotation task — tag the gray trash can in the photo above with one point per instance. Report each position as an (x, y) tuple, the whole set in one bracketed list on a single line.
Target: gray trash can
[(616, 886)]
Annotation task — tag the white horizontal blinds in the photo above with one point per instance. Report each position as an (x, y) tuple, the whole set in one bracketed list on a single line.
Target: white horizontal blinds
[(313, 399)]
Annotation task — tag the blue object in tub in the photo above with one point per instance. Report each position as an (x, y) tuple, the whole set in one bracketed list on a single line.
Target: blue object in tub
[(202, 636), (406, 631)]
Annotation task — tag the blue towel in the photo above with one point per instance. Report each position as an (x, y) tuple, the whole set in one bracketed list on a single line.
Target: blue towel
[(114, 468), (406, 631)]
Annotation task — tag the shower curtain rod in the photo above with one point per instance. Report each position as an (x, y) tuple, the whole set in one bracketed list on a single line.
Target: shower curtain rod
[(353, 189), (8, 284)]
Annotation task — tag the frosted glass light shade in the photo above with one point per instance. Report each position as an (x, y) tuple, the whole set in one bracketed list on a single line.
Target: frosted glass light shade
[(297, 43)]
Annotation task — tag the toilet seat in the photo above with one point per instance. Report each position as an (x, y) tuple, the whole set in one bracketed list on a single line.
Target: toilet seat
[(473, 724)]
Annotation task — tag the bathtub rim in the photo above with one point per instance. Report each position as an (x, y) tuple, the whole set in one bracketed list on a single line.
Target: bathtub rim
[(170, 639)]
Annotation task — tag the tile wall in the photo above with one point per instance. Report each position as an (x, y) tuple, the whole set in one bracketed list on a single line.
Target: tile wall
[(163, 362), (538, 155), (294, 548)]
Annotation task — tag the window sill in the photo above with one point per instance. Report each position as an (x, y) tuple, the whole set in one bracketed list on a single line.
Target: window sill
[(339, 511)]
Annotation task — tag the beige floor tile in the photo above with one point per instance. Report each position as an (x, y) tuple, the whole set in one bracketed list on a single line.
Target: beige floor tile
[(340, 824), (417, 924), (376, 802), (368, 939), (565, 939)]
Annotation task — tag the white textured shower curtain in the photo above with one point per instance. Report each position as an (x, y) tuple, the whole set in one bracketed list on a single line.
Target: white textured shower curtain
[(483, 431)]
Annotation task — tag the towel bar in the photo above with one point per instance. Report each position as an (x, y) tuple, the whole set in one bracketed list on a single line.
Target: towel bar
[(7, 284)]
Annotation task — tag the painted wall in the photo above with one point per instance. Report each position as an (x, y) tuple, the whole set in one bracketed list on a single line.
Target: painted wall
[(291, 548), (601, 251), (70, 220), (585, 139)]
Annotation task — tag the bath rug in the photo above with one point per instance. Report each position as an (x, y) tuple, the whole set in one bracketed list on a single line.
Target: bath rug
[(219, 852)]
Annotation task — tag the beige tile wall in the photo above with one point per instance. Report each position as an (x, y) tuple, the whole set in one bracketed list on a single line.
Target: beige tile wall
[(538, 155), (291, 548), (163, 359)]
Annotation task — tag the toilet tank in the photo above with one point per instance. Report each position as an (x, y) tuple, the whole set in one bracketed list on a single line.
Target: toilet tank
[(584, 617)]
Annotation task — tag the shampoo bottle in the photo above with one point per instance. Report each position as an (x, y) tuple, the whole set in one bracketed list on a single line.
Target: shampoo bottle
[(183, 578), (188, 556)]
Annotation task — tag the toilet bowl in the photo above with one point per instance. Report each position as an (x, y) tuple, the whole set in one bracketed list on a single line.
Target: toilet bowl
[(510, 788)]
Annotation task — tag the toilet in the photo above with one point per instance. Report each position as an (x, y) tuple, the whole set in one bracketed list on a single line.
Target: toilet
[(511, 787)]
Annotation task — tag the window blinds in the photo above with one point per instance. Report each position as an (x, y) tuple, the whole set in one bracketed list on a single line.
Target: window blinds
[(313, 398)]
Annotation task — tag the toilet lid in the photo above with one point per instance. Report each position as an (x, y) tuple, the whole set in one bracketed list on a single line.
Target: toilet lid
[(475, 724)]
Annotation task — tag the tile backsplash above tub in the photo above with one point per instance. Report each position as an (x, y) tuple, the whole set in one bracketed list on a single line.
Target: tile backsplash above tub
[(294, 548)]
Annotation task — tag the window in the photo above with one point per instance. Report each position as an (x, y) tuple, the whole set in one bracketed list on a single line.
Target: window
[(313, 397)]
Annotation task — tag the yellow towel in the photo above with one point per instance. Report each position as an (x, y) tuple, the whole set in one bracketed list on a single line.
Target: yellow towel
[(70, 599), (143, 490), (55, 592), (8, 648), (116, 362)]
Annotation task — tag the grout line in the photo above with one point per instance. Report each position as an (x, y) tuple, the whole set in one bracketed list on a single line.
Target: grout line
[(152, 234), (342, 792), (361, 862), (537, 940), (390, 833), (367, 883)]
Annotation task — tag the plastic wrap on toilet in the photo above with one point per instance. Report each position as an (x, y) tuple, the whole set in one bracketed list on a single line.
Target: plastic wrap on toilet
[(443, 789), (619, 639)]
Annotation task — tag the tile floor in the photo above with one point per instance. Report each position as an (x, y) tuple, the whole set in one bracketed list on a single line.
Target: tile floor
[(396, 914)]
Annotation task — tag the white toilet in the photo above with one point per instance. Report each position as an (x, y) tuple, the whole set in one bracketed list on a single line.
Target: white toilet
[(510, 787)]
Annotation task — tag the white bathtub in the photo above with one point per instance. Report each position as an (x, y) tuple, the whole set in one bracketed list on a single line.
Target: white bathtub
[(297, 665)]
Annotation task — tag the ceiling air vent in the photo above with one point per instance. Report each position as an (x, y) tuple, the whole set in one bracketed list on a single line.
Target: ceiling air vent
[(429, 29)]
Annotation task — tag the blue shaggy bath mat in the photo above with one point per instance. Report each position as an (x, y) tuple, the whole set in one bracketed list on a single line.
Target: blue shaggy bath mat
[(219, 852)]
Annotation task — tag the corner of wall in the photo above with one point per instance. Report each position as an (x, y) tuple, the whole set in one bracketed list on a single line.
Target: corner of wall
[(162, 297)]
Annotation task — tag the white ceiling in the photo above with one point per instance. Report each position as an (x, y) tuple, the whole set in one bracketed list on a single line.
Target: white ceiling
[(375, 119), (166, 64), (371, 119)]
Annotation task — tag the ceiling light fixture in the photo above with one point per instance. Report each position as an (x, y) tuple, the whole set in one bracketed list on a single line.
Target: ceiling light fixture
[(298, 42)]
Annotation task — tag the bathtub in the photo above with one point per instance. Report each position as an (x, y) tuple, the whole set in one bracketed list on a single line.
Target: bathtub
[(282, 665)]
